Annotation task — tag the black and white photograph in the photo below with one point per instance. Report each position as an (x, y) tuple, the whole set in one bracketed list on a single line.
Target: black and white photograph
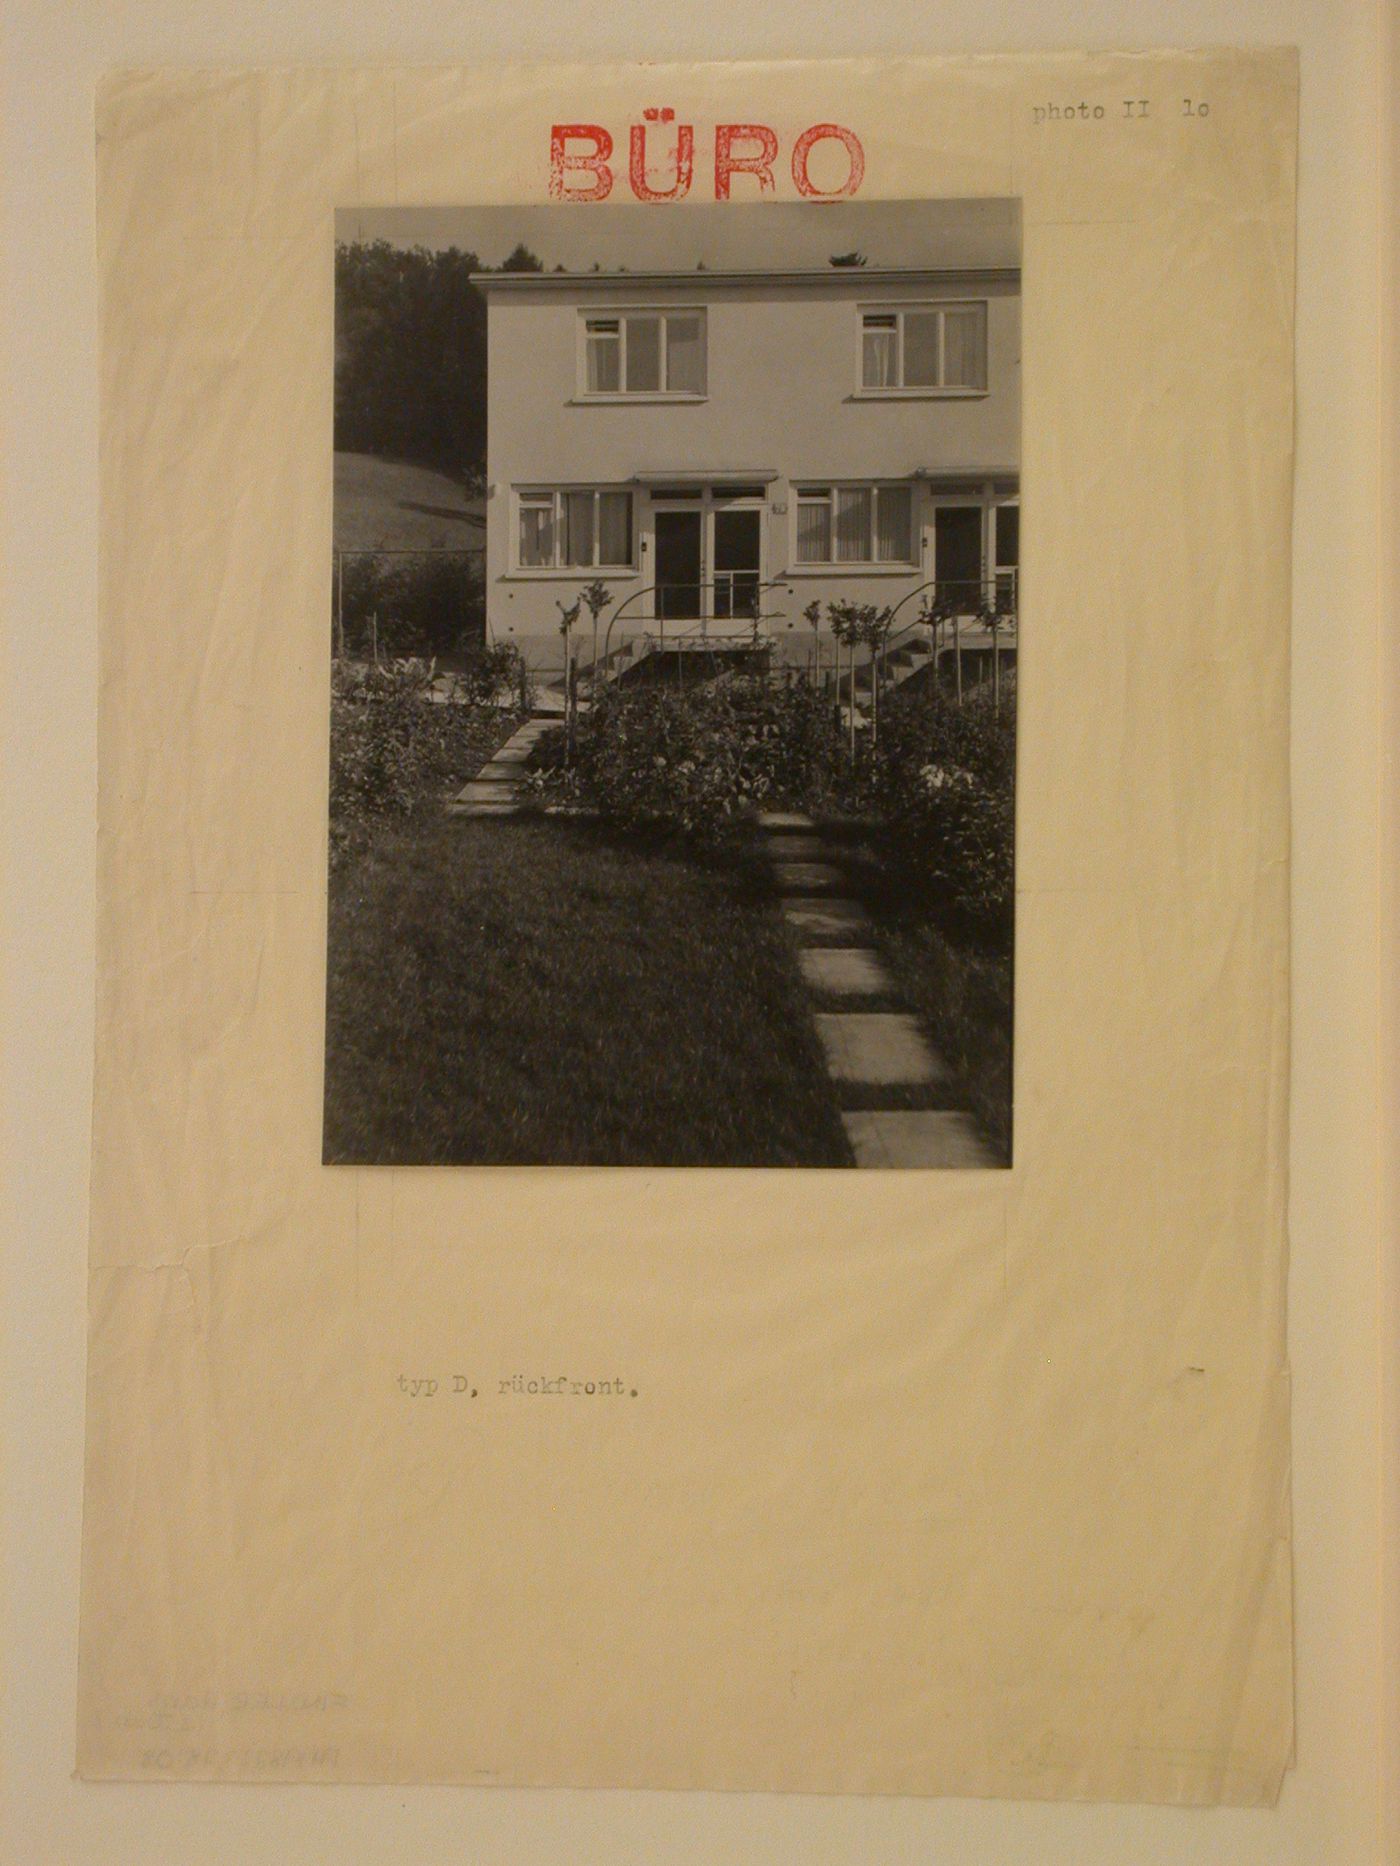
[(675, 613)]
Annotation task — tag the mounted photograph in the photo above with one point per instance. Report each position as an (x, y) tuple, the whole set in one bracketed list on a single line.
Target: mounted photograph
[(675, 613)]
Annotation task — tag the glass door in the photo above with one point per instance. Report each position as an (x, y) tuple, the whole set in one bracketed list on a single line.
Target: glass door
[(957, 559), (1007, 556), (738, 571), (680, 574)]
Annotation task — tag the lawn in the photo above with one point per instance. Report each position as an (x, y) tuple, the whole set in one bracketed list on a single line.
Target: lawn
[(394, 505), (527, 991)]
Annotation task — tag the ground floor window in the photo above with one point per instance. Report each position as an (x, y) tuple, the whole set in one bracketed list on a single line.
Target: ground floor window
[(854, 524), (575, 527)]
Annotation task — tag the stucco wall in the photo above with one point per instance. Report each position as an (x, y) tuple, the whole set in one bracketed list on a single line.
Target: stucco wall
[(782, 398)]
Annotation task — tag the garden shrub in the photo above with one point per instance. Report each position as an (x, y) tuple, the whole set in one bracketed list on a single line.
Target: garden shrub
[(693, 761), (393, 748), (429, 604), (943, 784), (494, 675)]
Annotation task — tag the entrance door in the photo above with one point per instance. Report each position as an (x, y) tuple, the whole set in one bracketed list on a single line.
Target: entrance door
[(679, 576), (738, 535), (957, 561), (1007, 555)]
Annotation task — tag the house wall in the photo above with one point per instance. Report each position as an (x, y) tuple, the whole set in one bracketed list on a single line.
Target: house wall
[(782, 397)]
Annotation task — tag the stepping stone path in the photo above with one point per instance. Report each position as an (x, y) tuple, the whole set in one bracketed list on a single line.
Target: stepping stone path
[(868, 1051), (495, 790)]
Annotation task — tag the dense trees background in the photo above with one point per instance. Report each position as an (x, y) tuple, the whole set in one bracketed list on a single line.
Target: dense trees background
[(410, 354)]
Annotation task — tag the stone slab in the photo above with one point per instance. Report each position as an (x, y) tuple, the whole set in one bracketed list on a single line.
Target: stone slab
[(792, 846), (513, 752), (929, 1137), (807, 877), (487, 790), (878, 1049), (506, 808), (815, 918), (784, 819), (850, 971)]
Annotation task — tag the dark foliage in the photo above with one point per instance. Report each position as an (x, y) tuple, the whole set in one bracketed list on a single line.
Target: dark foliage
[(695, 761), (433, 604), (395, 751), (943, 783), (410, 354), (494, 675)]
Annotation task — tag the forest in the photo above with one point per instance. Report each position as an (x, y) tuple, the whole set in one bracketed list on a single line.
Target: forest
[(410, 354)]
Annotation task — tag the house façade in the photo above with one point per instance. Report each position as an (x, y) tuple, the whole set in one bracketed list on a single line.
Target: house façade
[(722, 448)]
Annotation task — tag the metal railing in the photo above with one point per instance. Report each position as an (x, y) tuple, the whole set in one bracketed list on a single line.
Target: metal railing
[(992, 600), (691, 629), (950, 606)]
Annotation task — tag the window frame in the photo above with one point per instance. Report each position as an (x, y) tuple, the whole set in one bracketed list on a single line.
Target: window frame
[(804, 491), (534, 495), (619, 314), (921, 391)]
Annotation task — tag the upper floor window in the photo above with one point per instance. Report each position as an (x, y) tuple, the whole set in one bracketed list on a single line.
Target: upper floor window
[(575, 527), (644, 353), (924, 347)]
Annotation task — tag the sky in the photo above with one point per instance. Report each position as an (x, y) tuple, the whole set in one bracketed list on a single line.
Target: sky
[(735, 235)]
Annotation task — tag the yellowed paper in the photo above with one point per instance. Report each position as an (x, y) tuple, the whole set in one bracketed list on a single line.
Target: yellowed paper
[(932, 1483)]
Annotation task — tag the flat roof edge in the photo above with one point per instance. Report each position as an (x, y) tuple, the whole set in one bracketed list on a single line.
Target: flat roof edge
[(830, 275)]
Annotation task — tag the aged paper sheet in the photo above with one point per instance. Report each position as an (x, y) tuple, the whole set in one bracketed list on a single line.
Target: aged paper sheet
[(932, 1484)]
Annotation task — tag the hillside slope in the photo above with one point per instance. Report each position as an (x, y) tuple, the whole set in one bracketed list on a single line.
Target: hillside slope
[(389, 505)]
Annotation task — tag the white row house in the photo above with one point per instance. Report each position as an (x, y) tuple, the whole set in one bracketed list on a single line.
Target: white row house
[(720, 448)]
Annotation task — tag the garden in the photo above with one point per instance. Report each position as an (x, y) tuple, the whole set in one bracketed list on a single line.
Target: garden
[(605, 977)]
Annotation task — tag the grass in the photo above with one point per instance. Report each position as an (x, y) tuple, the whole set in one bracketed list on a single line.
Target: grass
[(529, 991), (392, 505)]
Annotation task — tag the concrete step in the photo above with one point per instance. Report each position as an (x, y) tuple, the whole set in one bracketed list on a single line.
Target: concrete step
[(813, 918), (788, 845), (929, 1137), (845, 971), (784, 819), (878, 1049), (504, 808), (807, 877), (487, 790)]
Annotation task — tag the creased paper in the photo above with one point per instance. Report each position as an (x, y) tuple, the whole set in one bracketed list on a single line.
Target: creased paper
[(968, 1484)]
